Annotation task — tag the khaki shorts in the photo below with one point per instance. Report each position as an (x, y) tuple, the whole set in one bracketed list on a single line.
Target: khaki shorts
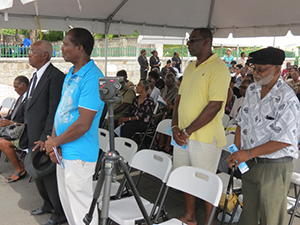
[(198, 154)]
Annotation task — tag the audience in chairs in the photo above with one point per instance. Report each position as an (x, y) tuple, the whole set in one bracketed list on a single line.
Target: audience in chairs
[(17, 116), (140, 113)]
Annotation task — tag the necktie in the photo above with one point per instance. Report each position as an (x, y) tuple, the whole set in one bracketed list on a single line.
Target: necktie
[(33, 85)]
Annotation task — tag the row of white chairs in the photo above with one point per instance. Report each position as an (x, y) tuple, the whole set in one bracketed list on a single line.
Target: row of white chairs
[(200, 183)]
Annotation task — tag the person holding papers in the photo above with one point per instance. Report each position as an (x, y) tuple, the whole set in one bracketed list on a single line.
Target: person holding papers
[(198, 112)]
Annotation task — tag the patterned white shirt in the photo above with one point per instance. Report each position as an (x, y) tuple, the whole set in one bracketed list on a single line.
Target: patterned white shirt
[(276, 117)]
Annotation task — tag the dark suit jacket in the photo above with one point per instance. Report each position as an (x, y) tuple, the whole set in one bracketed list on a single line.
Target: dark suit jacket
[(40, 110), (143, 63), (19, 117)]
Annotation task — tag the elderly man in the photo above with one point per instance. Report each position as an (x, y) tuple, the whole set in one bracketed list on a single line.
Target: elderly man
[(41, 102), (198, 112), (75, 132), (267, 139)]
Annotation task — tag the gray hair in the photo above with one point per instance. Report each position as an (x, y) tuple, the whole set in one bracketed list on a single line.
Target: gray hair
[(46, 46), (145, 83)]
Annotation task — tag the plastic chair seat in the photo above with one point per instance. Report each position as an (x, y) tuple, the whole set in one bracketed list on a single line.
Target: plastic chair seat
[(129, 214)]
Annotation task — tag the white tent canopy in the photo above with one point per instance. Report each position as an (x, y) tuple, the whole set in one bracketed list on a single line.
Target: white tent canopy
[(243, 18)]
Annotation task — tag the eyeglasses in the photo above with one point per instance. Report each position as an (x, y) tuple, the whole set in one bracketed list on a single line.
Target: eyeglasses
[(193, 40), (150, 80), (31, 52), (259, 70)]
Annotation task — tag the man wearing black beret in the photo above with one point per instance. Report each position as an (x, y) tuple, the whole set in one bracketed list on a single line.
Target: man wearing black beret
[(267, 139)]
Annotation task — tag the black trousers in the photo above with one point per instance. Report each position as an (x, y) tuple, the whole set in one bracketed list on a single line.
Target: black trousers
[(48, 190), (130, 128)]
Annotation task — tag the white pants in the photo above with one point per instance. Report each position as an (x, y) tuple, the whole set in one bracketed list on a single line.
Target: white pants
[(75, 187), (198, 154)]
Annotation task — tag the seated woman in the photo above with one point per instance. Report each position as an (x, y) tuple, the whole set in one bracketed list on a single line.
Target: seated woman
[(169, 95), (153, 91), (140, 113), (17, 116)]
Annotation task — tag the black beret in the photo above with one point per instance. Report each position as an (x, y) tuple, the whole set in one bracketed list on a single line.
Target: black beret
[(270, 55)]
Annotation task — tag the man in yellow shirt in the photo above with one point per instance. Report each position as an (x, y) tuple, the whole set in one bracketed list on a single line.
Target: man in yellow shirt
[(198, 112)]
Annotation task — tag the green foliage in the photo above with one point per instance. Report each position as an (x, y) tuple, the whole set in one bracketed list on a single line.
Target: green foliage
[(24, 32), (52, 36), (9, 31)]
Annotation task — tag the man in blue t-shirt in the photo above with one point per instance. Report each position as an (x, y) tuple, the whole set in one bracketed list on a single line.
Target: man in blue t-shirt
[(228, 58), (75, 132)]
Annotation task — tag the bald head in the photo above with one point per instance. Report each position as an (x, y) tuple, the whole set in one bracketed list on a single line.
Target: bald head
[(45, 46)]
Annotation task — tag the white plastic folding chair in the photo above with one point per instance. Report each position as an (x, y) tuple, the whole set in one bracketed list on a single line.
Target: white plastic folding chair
[(126, 148), (125, 211), (162, 128), (225, 120), (293, 202), (197, 182), (103, 138), (8, 103)]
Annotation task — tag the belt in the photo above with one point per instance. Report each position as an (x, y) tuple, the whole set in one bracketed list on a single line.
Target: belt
[(278, 160)]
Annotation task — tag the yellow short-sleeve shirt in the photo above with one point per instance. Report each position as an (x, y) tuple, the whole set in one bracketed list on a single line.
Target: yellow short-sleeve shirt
[(200, 85)]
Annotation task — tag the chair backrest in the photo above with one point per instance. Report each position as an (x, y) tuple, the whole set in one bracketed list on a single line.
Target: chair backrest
[(8, 103), (296, 163), (229, 140), (126, 148), (158, 164), (225, 120), (163, 125), (103, 138), (198, 182), (155, 108)]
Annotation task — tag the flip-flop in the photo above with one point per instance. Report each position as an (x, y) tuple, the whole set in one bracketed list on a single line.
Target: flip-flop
[(19, 175)]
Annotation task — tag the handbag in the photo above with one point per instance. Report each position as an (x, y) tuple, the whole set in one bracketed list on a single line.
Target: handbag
[(12, 132)]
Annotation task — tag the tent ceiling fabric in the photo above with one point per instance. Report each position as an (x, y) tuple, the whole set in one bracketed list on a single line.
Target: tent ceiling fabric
[(243, 18)]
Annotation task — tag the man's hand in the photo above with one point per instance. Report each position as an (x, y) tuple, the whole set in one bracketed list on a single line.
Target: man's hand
[(237, 158), (39, 144), (176, 135), (49, 145), (4, 122), (53, 157)]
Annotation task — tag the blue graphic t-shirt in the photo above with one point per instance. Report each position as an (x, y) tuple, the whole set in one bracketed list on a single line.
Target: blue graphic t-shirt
[(80, 90)]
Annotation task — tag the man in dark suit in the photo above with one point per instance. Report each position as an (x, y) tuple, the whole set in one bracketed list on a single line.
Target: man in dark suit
[(15, 117), (143, 63), (42, 100)]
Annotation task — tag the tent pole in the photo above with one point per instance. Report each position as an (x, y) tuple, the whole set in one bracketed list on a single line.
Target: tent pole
[(136, 59), (182, 52), (107, 24), (237, 52)]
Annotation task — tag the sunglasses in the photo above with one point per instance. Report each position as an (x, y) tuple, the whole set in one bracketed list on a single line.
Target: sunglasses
[(193, 40), (150, 81)]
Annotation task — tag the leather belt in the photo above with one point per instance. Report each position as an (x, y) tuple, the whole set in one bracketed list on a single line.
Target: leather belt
[(278, 160)]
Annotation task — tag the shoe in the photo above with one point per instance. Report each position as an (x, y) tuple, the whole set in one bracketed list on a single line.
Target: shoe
[(38, 211), (51, 222), (19, 177)]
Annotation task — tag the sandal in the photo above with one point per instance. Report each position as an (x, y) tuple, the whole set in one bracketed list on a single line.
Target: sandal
[(20, 175)]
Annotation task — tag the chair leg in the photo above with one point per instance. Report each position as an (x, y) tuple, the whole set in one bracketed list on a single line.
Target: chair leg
[(294, 208), (212, 214), (30, 179)]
